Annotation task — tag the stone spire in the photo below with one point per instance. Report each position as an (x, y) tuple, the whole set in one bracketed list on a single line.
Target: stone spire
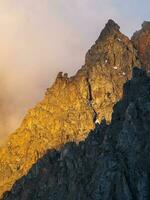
[(111, 27)]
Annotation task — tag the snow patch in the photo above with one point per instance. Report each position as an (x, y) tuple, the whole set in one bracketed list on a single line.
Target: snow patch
[(115, 67), (97, 121)]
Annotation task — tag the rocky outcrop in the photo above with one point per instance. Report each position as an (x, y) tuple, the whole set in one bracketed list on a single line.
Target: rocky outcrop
[(109, 64), (112, 163), (141, 41), (72, 106)]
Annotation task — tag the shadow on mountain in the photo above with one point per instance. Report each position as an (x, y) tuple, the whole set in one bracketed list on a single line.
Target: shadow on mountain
[(113, 163)]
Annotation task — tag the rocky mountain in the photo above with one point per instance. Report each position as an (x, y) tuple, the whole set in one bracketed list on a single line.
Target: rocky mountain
[(73, 105), (141, 41), (113, 163)]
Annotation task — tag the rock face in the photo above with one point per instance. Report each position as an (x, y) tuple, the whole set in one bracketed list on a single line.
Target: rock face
[(109, 64), (72, 105), (113, 163), (141, 41)]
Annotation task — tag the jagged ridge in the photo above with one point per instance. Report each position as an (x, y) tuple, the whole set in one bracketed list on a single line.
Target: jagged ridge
[(112, 163), (72, 105)]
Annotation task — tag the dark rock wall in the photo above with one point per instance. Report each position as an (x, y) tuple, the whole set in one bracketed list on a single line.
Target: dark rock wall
[(113, 163), (73, 105)]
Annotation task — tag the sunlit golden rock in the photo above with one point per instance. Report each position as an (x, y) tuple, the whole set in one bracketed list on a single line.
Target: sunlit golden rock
[(72, 105)]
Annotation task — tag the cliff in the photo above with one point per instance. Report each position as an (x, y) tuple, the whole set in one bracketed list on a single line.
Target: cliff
[(141, 41), (72, 106), (112, 163)]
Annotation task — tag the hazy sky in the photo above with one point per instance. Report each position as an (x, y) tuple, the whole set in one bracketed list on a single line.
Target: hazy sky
[(38, 38)]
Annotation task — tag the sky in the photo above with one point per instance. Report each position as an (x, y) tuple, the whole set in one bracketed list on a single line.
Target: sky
[(39, 38)]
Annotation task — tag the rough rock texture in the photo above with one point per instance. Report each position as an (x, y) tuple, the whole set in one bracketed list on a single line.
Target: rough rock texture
[(141, 41), (113, 163), (109, 63), (72, 105)]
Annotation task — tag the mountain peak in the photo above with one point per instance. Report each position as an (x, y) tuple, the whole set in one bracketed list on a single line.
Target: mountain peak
[(110, 46), (112, 25), (146, 25), (110, 28)]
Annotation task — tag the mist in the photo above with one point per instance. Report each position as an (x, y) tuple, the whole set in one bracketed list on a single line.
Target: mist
[(40, 38)]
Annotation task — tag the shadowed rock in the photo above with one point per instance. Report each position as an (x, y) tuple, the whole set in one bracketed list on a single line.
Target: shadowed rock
[(71, 106), (112, 163), (141, 41)]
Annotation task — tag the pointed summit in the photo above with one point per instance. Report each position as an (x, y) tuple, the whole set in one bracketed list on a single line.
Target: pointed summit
[(112, 25), (112, 48), (110, 28), (146, 25)]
